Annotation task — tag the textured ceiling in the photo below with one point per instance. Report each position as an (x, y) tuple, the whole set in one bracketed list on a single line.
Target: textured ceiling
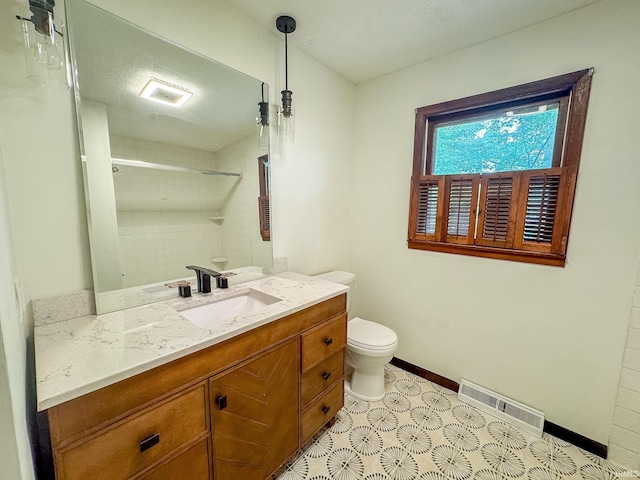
[(365, 39), (360, 39), (115, 59)]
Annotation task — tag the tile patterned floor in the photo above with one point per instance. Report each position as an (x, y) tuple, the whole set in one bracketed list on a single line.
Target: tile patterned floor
[(421, 431)]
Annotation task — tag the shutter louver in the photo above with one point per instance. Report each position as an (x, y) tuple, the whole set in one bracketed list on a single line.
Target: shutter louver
[(542, 209), (459, 207), (427, 207), (265, 217), (542, 201), (461, 201), (496, 209)]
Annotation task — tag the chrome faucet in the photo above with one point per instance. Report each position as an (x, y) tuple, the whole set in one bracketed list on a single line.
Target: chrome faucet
[(204, 277)]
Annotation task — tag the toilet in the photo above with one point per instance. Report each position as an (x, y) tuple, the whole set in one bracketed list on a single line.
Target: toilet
[(369, 347)]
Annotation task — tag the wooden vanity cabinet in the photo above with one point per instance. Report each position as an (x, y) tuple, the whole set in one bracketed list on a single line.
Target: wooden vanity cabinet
[(254, 414), (322, 369), (238, 409)]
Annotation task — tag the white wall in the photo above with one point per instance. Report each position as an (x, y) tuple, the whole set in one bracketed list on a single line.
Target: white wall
[(15, 456), (43, 174), (45, 223), (312, 183), (550, 337), (624, 442)]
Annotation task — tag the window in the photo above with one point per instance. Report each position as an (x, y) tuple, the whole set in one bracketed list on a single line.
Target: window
[(263, 200), (494, 175)]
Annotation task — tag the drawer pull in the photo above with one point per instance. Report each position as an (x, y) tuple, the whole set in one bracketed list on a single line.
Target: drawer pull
[(221, 401), (326, 375), (326, 409), (149, 442), (328, 341)]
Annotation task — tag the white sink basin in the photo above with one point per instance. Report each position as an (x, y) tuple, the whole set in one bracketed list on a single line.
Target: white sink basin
[(205, 316)]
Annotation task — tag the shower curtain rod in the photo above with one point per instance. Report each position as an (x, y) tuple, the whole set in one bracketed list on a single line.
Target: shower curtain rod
[(172, 168)]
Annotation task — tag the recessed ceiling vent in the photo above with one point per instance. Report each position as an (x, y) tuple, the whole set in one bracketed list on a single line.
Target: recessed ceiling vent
[(501, 407), (165, 93)]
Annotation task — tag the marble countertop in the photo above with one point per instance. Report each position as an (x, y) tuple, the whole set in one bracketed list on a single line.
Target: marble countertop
[(81, 355)]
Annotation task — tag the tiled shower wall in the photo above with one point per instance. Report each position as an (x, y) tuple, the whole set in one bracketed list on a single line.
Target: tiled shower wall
[(624, 441), (164, 218), (156, 246)]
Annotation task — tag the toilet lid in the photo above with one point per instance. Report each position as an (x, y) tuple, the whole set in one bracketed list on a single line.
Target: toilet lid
[(370, 335)]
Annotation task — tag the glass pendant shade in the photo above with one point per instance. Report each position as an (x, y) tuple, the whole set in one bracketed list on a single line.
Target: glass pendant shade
[(44, 50), (287, 126), (262, 125), (263, 137)]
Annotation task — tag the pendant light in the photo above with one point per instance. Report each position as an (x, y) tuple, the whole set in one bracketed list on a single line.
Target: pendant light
[(44, 47), (262, 123), (286, 125)]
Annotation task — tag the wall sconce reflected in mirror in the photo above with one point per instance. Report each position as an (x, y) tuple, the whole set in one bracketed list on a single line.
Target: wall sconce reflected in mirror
[(44, 52), (262, 123), (286, 117)]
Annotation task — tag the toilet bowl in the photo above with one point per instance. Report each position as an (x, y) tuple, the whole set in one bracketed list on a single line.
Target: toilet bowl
[(369, 347)]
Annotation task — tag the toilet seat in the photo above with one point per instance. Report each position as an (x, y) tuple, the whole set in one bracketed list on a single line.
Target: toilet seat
[(369, 336)]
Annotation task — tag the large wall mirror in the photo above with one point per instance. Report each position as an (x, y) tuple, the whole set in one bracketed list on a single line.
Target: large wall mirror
[(169, 182)]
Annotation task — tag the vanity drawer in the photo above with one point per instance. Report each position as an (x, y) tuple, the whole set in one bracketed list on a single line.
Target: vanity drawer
[(138, 442), (322, 410), (322, 376), (321, 342), (190, 465)]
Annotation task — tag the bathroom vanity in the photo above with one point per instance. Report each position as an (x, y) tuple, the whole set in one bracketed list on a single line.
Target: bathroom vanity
[(127, 397)]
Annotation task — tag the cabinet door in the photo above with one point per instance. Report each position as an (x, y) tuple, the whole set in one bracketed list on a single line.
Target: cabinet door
[(190, 465), (255, 415)]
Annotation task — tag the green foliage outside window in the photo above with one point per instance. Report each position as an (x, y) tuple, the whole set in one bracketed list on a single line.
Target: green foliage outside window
[(511, 141)]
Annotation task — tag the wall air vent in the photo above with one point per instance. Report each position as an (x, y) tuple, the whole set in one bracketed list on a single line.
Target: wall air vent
[(504, 408)]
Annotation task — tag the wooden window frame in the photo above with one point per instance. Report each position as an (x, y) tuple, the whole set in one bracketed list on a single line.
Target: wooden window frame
[(572, 90)]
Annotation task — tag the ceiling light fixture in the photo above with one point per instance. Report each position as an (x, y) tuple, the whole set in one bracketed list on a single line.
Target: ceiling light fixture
[(165, 93), (44, 49), (286, 125)]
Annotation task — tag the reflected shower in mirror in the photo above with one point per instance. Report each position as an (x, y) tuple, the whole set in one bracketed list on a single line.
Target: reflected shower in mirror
[(169, 148)]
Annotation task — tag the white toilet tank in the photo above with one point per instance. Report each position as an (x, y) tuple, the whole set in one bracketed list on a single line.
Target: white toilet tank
[(343, 278)]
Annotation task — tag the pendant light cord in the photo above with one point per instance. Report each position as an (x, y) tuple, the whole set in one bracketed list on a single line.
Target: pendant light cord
[(286, 63)]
